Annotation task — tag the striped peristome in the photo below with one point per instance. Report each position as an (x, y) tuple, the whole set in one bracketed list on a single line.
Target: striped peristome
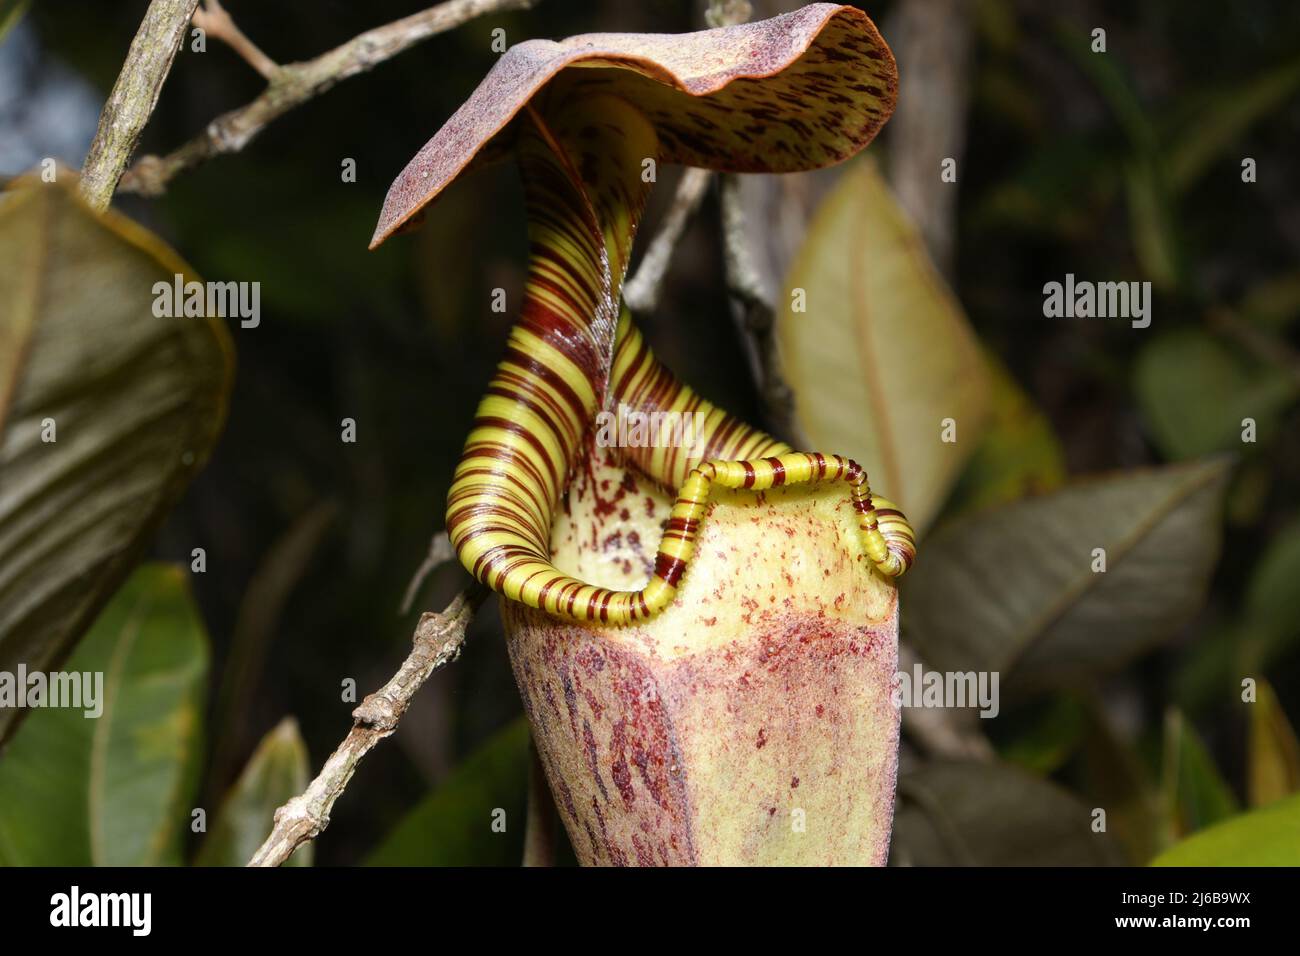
[(582, 141)]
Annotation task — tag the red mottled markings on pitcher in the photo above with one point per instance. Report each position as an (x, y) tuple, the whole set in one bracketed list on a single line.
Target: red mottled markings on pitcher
[(794, 783), (570, 698), (593, 758), (643, 856), (762, 738), (618, 764)]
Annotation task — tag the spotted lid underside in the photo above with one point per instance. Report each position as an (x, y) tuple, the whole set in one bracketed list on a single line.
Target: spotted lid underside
[(798, 91)]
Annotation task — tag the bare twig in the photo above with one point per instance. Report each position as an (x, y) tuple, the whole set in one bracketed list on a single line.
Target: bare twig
[(932, 41), (293, 84), (756, 317), (539, 827), (214, 21), (641, 291), (440, 552), (438, 639), (134, 95)]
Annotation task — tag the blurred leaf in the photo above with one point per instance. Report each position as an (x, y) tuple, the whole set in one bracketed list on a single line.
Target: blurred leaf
[(1195, 391), (883, 354), (1061, 189), (453, 825), (115, 790), (987, 814), (1153, 223), (1267, 837), (1013, 589), (277, 771), (1051, 738), (1272, 598), (1196, 795), (1274, 754), (1273, 303), (137, 401), (1216, 126), (1117, 780), (11, 11), (1019, 454)]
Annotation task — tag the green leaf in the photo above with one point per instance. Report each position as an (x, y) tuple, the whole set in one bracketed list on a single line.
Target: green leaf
[(1195, 391), (1196, 795), (1053, 735), (277, 771), (1216, 125), (1019, 454), (1117, 781), (953, 813), (1272, 599), (883, 354), (1267, 837), (115, 790), (134, 403), (1274, 303), (1274, 752), (453, 825), (1013, 590), (1153, 222)]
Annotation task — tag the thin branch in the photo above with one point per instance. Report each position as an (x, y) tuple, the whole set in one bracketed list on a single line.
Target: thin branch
[(438, 639), (134, 95), (293, 84), (440, 552), (539, 827), (756, 317), (214, 21), (641, 292)]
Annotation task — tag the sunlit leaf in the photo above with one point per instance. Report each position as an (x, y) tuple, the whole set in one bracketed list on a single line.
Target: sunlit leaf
[(1014, 589), (1196, 391), (453, 826), (277, 771), (1266, 837), (132, 402), (988, 814), (1019, 454), (1274, 752), (1196, 795), (883, 354), (115, 790)]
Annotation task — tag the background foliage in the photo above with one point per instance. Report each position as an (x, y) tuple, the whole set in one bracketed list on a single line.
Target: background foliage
[(1122, 692)]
